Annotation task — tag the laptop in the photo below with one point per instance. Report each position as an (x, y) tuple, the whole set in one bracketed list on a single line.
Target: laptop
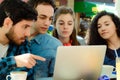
[(79, 62)]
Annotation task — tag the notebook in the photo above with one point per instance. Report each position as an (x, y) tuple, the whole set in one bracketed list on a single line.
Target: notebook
[(79, 62)]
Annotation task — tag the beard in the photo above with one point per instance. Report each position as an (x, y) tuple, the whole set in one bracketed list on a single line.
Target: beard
[(13, 38)]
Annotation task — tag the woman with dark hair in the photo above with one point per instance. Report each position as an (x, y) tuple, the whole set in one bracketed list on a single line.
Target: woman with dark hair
[(64, 26), (105, 30)]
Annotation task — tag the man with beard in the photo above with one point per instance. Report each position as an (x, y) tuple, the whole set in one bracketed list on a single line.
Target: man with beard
[(16, 19)]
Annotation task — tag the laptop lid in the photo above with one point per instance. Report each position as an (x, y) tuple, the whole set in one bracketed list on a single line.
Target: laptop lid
[(79, 62)]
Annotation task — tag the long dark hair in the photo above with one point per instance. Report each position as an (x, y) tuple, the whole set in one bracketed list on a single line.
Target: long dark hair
[(94, 37)]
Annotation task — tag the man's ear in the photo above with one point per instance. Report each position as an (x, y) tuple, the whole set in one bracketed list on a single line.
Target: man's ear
[(7, 22)]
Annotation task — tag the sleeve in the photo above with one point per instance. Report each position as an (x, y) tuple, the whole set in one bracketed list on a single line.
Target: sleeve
[(53, 57), (51, 68), (30, 74), (7, 64), (25, 47)]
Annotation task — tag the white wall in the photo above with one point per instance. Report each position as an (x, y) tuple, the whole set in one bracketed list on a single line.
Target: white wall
[(117, 7)]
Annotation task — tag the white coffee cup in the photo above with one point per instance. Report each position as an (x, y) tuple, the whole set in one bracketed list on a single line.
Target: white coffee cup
[(107, 70), (17, 75)]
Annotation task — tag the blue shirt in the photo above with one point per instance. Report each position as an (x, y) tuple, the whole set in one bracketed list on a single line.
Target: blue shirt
[(44, 45), (8, 64)]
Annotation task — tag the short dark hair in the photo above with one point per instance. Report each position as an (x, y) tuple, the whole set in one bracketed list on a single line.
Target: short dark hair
[(16, 10), (34, 3)]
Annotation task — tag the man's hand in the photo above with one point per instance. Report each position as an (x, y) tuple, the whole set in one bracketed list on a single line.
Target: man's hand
[(27, 60)]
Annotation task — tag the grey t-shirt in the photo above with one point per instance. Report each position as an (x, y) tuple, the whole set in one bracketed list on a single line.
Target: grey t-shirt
[(3, 50)]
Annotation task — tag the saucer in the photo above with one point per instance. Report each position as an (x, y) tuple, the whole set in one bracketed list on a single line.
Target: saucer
[(112, 76)]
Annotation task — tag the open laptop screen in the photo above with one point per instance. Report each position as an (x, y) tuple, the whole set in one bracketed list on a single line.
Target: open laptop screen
[(79, 62)]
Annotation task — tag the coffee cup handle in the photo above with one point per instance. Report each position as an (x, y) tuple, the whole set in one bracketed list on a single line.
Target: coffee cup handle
[(7, 77)]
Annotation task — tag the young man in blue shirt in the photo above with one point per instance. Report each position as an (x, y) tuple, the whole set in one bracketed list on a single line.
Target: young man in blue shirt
[(42, 43), (16, 19)]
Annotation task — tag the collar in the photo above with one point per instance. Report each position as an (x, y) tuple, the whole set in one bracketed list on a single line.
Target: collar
[(68, 44), (38, 38)]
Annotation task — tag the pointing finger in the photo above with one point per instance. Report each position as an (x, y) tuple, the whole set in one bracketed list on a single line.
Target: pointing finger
[(38, 57)]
